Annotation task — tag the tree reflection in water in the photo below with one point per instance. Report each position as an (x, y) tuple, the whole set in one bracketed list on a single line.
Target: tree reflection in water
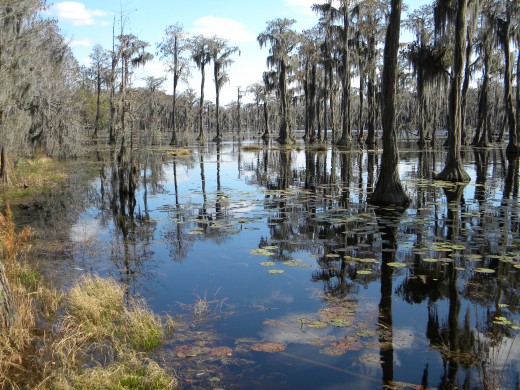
[(458, 288)]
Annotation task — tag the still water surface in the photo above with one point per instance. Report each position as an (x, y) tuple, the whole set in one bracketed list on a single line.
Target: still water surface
[(280, 275)]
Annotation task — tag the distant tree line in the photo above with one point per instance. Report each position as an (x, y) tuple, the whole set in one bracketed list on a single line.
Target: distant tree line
[(39, 97), (458, 77)]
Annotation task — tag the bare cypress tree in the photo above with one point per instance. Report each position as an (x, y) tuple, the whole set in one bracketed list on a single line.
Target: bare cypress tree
[(504, 23), (201, 55), (389, 190), (454, 169), (99, 59), (346, 136), (172, 47), (220, 54)]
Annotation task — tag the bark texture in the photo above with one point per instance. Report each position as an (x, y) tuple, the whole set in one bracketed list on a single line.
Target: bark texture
[(454, 170), (389, 190), (7, 312)]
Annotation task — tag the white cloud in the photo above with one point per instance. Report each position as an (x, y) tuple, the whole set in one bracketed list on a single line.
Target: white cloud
[(304, 6), (80, 42), (224, 28), (76, 13)]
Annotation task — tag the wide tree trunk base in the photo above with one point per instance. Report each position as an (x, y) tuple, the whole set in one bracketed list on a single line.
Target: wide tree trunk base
[(389, 192), (286, 141), (344, 142), (483, 144), (453, 172), (217, 138), (512, 149), (370, 141)]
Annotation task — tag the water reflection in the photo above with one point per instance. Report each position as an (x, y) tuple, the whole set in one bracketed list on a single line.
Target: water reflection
[(353, 292)]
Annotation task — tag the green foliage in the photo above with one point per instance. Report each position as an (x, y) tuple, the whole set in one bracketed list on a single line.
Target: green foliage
[(98, 307), (89, 108)]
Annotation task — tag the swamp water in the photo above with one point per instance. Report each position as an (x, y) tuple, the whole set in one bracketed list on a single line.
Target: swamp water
[(279, 275)]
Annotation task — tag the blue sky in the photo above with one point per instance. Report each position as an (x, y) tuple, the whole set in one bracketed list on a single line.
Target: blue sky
[(87, 22)]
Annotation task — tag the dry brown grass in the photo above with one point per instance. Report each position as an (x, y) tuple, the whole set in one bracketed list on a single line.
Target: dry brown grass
[(133, 373), (89, 338), (179, 152), (251, 148)]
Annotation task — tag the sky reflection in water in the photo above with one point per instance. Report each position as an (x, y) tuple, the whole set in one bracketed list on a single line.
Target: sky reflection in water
[(195, 223)]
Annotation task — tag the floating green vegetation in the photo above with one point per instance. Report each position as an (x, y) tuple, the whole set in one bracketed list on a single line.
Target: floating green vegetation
[(261, 252), (341, 347), (269, 347), (500, 320), (364, 272), (396, 264), (296, 263), (276, 271), (267, 263), (484, 270), (316, 324)]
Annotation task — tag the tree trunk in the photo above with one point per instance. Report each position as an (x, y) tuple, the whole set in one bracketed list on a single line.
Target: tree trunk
[(173, 141), (361, 125), (265, 136), (331, 105), (481, 136), (325, 102), (371, 95), (313, 104), (422, 107), (389, 190), (346, 137), (239, 120), (465, 87), (454, 170), (4, 172), (512, 147), (218, 137), (518, 90), (285, 135), (7, 309), (98, 106), (201, 104)]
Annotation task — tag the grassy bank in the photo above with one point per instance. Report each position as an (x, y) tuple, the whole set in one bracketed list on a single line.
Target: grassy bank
[(91, 337)]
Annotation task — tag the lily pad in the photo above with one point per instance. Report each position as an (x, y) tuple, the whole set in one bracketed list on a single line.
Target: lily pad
[(340, 322), (367, 333), (396, 264), (317, 324), (333, 351), (485, 270), (269, 347), (267, 263), (276, 271), (261, 252), (221, 351)]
